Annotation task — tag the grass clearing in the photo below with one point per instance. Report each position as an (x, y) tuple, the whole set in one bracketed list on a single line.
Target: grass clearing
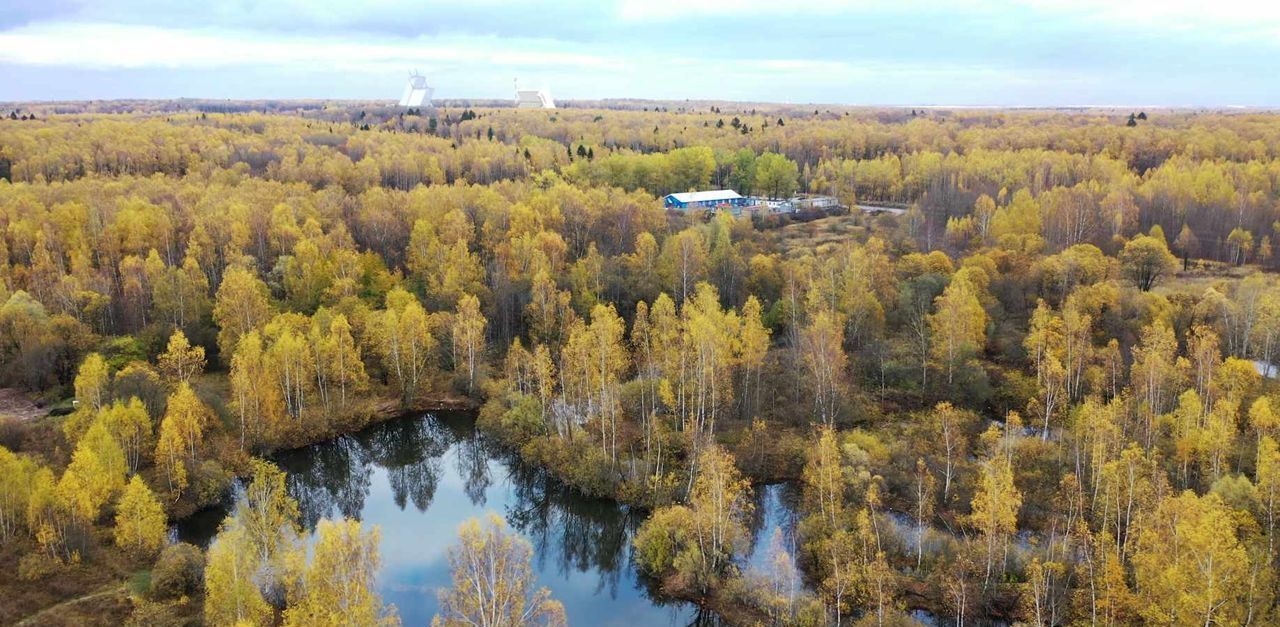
[(140, 582)]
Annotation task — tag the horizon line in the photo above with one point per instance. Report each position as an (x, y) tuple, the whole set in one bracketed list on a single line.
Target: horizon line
[(705, 101)]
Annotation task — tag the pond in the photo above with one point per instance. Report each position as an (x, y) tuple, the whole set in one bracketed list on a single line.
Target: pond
[(419, 477)]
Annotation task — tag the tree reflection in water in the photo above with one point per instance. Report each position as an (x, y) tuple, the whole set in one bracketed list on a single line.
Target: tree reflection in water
[(578, 533), (328, 479), (582, 546), (473, 467), (411, 452), (776, 507)]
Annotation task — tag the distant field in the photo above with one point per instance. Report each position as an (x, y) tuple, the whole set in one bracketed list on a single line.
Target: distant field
[(820, 235)]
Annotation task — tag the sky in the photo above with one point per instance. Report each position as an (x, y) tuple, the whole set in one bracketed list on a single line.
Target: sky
[(856, 52)]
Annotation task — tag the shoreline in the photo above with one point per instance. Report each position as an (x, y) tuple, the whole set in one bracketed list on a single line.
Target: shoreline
[(380, 410)]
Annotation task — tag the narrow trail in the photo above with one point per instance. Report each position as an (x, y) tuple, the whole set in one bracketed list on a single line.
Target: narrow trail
[(109, 589)]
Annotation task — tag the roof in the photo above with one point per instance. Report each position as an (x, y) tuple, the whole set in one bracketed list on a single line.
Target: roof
[(715, 194)]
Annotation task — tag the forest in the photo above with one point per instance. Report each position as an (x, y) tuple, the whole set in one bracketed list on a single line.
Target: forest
[(1044, 393)]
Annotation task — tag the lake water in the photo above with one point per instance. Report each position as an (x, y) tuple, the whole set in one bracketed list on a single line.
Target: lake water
[(419, 477)]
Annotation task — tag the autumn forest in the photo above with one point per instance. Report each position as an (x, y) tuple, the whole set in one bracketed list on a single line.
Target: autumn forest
[(1024, 372)]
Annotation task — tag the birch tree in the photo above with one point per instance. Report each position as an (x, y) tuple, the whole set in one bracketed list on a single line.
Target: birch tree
[(822, 347), (468, 338), (995, 509), (958, 324), (493, 582)]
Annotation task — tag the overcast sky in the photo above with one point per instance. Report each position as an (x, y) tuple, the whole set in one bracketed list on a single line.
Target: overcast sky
[(950, 52)]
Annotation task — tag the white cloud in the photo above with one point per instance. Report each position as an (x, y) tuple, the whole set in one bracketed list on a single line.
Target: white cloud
[(1038, 51), (1234, 18), (640, 10), (1225, 19), (107, 46)]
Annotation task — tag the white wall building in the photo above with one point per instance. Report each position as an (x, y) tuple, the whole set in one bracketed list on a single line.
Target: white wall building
[(533, 98), (417, 93)]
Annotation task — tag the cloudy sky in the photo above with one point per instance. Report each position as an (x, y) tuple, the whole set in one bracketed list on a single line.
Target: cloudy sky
[(950, 52)]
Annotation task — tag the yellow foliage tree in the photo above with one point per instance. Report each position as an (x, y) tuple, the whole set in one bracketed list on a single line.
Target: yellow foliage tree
[(1046, 346), (131, 427), (180, 361), (702, 360), (339, 370), (404, 340), (825, 481), (593, 362), (92, 391), (822, 348), (1268, 482), (721, 501), (231, 595), (468, 338), (242, 305), (181, 432), (1263, 417), (255, 397), (1155, 375), (958, 325), (267, 513), (1189, 565), (949, 427), (995, 508), (493, 581), (337, 588), (91, 382), (17, 472), (1145, 260), (441, 259), (752, 347), (50, 517), (95, 475), (1016, 226), (140, 520)]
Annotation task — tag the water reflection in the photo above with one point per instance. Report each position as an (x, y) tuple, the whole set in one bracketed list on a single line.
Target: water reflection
[(473, 467), (776, 507), (410, 451), (330, 480), (447, 472)]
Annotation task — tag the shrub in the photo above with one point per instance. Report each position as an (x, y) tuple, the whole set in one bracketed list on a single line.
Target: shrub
[(651, 491), (523, 420), (151, 614), (37, 565), (10, 432), (212, 482), (122, 351), (179, 572), (591, 471), (661, 538)]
